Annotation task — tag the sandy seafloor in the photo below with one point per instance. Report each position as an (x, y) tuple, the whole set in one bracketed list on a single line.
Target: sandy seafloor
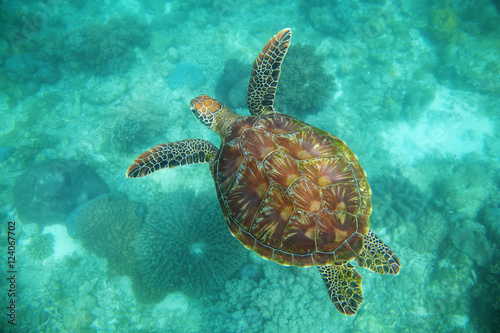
[(413, 87)]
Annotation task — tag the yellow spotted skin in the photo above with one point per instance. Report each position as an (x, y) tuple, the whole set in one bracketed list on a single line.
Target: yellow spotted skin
[(290, 192)]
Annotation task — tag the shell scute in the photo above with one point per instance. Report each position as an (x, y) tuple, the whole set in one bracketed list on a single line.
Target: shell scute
[(343, 197), (233, 157), (300, 235), (263, 250), (279, 125), (290, 193), (327, 171), (333, 229), (247, 193), (282, 258), (303, 260), (281, 168), (257, 143), (270, 222), (306, 144), (246, 239), (238, 127), (306, 196), (321, 258)]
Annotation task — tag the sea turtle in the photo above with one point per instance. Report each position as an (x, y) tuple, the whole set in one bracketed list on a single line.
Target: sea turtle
[(290, 192)]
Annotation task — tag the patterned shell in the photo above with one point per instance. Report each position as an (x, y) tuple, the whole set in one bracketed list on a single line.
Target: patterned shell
[(292, 193)]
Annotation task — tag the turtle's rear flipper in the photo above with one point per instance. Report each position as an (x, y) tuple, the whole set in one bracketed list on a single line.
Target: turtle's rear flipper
[(344, 286), (378, 257), (172, 154)]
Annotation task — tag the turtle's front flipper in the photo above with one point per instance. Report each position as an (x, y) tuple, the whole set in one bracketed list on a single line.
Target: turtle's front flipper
[(344, 286), (266, 72), (378, 257), (172, 154)]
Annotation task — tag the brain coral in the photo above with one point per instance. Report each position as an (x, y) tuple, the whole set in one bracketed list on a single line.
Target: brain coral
[(186, 245), (107, 225)]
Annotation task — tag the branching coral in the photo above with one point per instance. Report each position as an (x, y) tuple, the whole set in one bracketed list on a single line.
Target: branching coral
[(41, 246), (74, 294), (105, 49), (185, 245), (107, 225), (304, 86), (288, 299)]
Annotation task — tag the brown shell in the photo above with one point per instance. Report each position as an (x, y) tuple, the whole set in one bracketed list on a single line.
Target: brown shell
[(292, 193)]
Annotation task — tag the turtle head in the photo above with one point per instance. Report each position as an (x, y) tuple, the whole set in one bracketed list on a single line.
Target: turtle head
[(213, 114)]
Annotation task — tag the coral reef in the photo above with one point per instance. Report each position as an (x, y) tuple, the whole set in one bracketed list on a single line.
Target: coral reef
[(443, 23), (23, 74), (232, 86), (422, 77), (133, 134), (469, 237), (469, 59), (395, 201), (47, 191), (6, 153), (185, 74), (464, 185), (186, 246), (266, 305), (332, 17), (486, 298), (107, 225), (472, 64), (304, 85), (450, 305), (489, 216), (105, 49), (407, 99), (40, 246), (250, 271), (73, 294), (105, 90), (31, 67)]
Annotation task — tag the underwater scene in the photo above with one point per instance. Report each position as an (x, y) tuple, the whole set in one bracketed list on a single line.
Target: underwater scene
[(411, 87)]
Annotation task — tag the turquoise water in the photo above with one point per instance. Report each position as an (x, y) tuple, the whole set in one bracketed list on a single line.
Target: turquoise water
[(412, 87)]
